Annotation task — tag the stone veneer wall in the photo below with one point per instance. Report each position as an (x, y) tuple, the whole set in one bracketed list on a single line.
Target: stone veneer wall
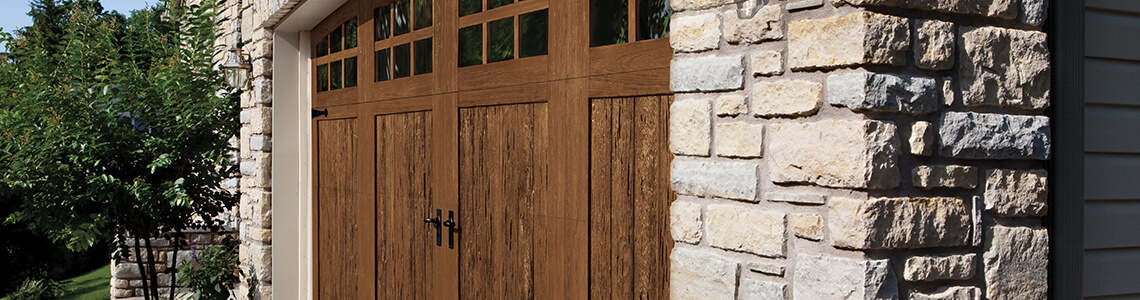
[(127, 280), (859, 149), (246, 20)]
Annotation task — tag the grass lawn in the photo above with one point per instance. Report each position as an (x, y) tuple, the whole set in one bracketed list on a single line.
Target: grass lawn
[(94, 285)]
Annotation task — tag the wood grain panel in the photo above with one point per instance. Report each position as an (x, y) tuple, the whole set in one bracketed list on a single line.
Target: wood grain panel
[(1113, 82), (336, 205), (1112, 224), (647, 82), (1112, 129), (1111, 176), (403, 196), (1112, 272), (502, 175), (630, 57), (629, 199)]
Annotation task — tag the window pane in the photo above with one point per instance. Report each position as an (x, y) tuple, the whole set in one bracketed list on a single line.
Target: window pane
[(350, 72), (467, 7), (323, 47), (323, 78), (423, 56), (335, 74), (471, 45), (497, 3), (401, 16), (423, 14), (336, 40), (383, 22), (383, 61), (653, 19), (501, 39), (608, 22), (533, 33), (402, 61), (350, 34)]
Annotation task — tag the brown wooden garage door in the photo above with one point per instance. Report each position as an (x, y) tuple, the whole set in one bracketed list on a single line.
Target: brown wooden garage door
[(491, 149)]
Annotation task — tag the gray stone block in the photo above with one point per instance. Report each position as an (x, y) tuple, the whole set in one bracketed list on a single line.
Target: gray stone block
[(1014, 193), (898, 223), (755, 289), (822, 277), (1016, 260), (731, 180), (707, 74), (883, 93), (946, 267), (1004, 67), (994, 136)]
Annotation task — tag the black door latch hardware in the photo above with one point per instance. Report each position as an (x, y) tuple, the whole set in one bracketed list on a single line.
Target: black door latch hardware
[(450, 224), (435, 222), (318, 113)]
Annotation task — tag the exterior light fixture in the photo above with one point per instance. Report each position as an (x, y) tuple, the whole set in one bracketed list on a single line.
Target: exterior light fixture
[(746, 9), (237, 69)]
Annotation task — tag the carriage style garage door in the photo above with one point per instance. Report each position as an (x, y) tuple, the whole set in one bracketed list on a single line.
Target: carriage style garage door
[(491, 149)]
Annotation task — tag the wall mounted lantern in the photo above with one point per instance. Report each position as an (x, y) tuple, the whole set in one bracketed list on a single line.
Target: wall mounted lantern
[(746, 9), (237, 69)]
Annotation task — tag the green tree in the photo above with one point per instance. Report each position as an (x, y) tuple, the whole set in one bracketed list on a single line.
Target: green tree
[(121, 130)]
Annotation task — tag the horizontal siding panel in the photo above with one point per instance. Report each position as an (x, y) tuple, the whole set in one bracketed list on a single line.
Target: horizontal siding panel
[(1112, 177), (1112, 129), (1131, 6), (1112, 35), (1116, 297), (1112, 272), (1114, 224), (1112, 81)]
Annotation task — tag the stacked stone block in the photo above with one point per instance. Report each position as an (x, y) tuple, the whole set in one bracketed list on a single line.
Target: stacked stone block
[(255, 143), (869, 149), (127, 279)]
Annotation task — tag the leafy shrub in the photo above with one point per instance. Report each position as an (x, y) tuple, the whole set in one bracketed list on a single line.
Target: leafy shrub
[(38, 289), (212, 274)]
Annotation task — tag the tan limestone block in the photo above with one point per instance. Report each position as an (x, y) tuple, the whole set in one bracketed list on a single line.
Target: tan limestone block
[(1004, 67), (1015, 193), (898, 223), (934, 45), (806, 226), (766, 63), (739, 139), (949, 176), (679, 5), (949, 293), (685, 222), (695, 33), (731, 105), (921, 138), (786, 98), (737, 228), (946, 267), (1016, 260), (696, 274), (836, 153), (766, 25), (690, 123), (850, 40)]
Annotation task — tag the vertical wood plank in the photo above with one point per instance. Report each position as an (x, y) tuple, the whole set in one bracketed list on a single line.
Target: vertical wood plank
[(336, 231), (403, 193), (600, 149)]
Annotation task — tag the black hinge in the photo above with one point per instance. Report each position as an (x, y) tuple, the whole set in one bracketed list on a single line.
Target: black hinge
[(318, 113)]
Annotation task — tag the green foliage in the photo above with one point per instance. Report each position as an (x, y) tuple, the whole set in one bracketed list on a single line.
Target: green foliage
[(117, 127), (38, 289), (122, 130), (212, 274)]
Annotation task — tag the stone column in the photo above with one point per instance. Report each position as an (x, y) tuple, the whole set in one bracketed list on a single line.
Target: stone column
[(859, 149)]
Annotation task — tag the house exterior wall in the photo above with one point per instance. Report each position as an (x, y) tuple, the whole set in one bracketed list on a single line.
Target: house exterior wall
[(872, 149), (860, 149)]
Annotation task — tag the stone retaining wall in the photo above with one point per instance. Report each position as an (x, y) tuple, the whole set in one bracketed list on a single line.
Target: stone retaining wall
[(127, 279), (859, 149)]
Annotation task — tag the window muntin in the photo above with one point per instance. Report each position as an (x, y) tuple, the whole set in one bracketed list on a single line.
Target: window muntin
[(610, 21), (396, 56), (522, 33)]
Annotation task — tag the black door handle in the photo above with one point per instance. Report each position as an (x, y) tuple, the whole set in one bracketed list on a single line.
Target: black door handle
[(435, 221), (450, 224)]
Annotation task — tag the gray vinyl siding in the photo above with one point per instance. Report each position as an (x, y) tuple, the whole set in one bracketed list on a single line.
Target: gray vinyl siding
[(1112, 150)]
